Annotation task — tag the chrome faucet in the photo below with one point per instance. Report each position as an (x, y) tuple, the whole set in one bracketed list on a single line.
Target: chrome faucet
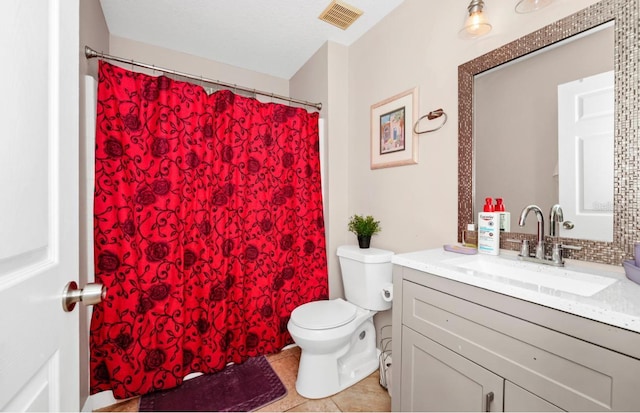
[(521, 222), (556, 217)]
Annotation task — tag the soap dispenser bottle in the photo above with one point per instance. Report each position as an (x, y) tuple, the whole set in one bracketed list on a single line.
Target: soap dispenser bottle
[(489, 229), (505, 217)]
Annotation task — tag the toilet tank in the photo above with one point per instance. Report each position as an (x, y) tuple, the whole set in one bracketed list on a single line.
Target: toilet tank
[(365, 272)]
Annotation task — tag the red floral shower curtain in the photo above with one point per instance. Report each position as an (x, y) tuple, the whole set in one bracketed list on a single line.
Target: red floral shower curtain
[(208, 229)]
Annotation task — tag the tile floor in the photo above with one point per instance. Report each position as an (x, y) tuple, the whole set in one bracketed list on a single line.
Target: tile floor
[(365, 396)]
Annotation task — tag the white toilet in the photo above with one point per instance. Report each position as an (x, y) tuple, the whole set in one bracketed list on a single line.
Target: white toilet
[(337, 337)]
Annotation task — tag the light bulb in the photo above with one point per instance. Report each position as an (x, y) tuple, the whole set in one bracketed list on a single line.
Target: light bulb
[(528, 6), (476, 24)]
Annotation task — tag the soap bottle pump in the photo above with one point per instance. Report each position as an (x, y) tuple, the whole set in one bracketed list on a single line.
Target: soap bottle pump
[(488, 205)]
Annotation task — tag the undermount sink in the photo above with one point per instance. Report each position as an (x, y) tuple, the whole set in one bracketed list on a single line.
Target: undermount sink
[(533, 276)]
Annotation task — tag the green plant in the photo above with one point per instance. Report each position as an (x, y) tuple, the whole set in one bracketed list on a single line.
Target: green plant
[(366, 226)]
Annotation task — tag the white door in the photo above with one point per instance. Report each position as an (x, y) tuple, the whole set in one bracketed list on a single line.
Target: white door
[(585, 156), (38, 204)]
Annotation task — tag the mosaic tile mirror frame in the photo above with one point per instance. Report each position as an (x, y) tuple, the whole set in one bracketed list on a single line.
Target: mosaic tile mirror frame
[(625, 14)]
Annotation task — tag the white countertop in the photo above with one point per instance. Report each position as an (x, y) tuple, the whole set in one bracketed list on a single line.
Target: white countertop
[(618, 304)]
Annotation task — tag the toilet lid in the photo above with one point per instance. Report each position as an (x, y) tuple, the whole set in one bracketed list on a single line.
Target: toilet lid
[(325, 314)]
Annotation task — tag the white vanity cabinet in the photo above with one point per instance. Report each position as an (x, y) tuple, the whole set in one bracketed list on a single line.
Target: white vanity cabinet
[(458, 347)]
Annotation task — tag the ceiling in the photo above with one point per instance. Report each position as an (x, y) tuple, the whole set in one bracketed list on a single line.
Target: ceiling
[(275, 37)]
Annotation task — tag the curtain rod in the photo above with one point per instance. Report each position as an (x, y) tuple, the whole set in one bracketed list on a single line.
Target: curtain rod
[(90, 54)]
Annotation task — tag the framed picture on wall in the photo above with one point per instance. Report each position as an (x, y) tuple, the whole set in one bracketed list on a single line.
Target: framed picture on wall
[(393, 142)]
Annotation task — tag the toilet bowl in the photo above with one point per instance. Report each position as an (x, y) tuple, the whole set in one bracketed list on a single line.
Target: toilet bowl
[(337, 337)]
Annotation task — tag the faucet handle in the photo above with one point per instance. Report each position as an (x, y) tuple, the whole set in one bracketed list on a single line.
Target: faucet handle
[(556, 251), (524, 246)]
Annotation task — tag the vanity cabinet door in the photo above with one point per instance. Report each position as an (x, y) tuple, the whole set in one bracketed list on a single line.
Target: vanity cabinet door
[(435, 378), (568, 372), (517, 399)]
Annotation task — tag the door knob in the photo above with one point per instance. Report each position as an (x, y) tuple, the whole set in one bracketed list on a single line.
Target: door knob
[(89, 295)]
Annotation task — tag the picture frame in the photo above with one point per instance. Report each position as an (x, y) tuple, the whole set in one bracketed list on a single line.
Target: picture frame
[(393, 141)]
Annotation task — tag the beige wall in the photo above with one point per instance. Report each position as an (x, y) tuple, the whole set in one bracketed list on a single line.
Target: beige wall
[(323, 79), (337, 161), (417, 45)]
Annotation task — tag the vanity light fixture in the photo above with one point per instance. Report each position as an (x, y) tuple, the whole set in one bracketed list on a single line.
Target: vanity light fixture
[(476, 23), (528, 6)]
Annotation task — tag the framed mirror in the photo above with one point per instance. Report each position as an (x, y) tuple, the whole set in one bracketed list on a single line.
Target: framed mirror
[(626, 154)]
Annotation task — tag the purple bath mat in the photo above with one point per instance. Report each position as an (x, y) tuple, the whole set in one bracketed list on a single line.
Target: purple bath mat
[(239, 388)]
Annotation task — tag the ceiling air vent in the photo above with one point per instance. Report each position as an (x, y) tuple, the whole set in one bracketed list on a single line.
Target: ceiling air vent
[(340, 14)]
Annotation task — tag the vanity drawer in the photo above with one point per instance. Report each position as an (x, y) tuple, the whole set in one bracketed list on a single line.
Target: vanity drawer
[(567, 372)]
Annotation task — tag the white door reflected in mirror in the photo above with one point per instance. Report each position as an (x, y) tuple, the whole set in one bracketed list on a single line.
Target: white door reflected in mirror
[(585, 151), (515, 123)]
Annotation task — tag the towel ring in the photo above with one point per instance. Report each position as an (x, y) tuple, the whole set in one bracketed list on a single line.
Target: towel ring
[(435, 114)]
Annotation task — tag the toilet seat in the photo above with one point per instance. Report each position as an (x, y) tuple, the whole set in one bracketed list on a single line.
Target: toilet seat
[(324, 314)]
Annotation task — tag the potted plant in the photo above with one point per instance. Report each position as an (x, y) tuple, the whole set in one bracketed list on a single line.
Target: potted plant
[(364, 228)]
